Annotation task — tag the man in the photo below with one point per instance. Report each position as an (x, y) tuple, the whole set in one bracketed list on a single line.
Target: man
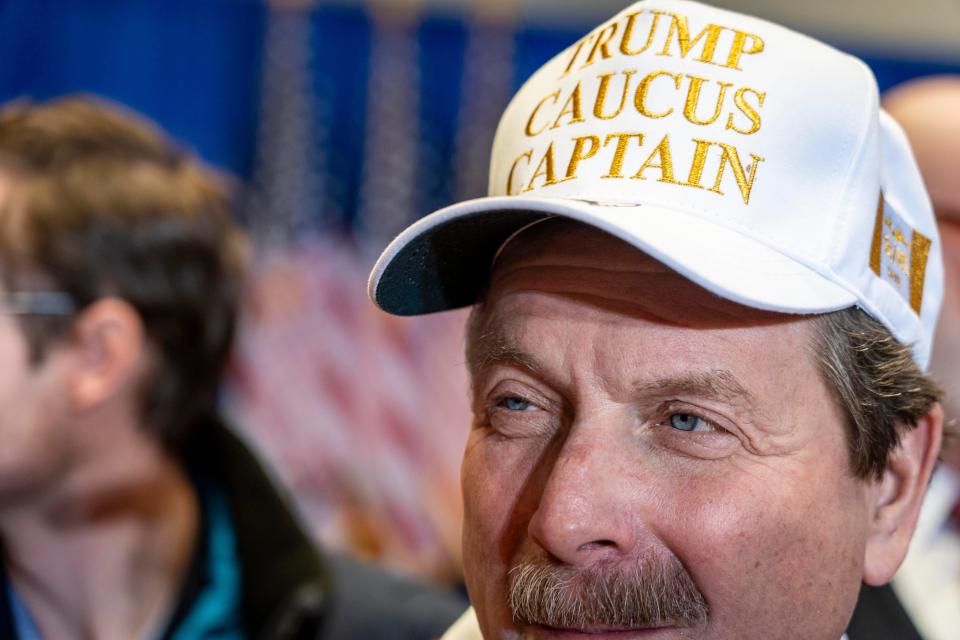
[(127, 509), (928, 583), (705, 288)]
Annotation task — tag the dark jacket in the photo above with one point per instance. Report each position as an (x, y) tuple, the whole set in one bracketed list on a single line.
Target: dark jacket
[(880, 616), (289, 589)]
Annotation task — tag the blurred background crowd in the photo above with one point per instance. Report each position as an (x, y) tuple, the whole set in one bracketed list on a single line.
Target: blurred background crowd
[(346, 120)]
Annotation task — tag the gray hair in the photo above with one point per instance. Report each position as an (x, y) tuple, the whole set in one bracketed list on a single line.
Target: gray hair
[(877, 383)]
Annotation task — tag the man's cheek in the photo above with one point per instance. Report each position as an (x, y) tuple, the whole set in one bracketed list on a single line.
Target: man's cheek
[(766, 553), (491, 535), (491, 491)]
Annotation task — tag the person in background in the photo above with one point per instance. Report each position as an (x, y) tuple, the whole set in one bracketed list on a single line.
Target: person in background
[(704, 289), (128, 509), (928, 583)]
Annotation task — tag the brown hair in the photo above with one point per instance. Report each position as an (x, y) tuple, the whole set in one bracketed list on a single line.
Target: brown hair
[(101, 203), (875, 379)]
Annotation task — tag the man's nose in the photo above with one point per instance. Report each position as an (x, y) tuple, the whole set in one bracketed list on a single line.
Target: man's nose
[(585, 513)]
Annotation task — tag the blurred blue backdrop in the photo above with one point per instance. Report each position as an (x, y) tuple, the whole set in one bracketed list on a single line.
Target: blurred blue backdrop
[(195, 66)]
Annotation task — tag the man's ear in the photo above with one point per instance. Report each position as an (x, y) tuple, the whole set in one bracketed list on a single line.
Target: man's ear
[(108, 342), (896, 497)]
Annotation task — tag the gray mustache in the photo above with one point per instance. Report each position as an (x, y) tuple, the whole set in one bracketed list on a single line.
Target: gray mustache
[(651, 592)]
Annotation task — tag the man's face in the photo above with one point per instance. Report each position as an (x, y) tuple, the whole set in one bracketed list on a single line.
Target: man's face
[(640, 442), (32, 400)]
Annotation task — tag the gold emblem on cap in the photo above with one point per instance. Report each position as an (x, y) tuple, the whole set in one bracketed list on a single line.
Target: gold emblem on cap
[(919, 252), (903, 259)]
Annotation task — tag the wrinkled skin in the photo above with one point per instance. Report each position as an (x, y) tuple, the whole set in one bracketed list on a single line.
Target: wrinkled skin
[(621, 411)]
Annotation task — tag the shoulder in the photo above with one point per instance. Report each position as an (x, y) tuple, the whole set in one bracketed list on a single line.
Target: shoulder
[(880, 616)]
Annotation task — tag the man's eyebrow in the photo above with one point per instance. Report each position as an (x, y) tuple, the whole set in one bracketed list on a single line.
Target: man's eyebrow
[(715, 384), (494, 346)]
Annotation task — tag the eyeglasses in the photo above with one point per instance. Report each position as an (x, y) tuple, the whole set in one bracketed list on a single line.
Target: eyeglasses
[(37, 303)]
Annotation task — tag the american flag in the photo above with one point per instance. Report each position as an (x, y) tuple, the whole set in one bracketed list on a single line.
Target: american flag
[(363, 415)]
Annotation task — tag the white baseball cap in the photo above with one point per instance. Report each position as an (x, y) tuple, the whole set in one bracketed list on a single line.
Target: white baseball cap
[(751, 159)]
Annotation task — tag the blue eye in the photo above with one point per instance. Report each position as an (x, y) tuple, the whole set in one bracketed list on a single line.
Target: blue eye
[(513, 403), (690, 422)]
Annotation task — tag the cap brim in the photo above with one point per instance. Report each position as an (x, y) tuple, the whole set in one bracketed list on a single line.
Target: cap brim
[(443, 261)]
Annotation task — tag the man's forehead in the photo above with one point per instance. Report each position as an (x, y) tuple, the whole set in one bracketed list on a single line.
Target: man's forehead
[(567, 258)]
